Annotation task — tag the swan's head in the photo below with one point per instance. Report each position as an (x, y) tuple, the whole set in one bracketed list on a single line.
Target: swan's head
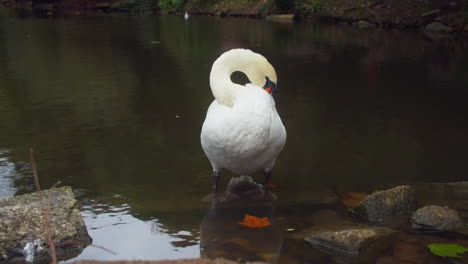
[(253, 65), (260, 72)]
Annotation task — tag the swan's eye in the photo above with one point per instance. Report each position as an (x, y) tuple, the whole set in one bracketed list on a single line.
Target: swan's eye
[(269, 86)]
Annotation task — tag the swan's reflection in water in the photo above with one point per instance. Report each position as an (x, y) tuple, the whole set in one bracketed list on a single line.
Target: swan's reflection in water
[(223, 236)]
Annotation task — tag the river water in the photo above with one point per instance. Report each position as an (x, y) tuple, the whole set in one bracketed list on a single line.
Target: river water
[(113, 106)]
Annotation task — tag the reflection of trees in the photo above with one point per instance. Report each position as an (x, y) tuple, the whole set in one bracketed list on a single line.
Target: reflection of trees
[(350, 131), (77, 104)]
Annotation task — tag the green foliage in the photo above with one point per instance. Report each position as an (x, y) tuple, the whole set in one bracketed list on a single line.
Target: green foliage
[(447, 250), (301, 6), (171, 4), (316, 6)]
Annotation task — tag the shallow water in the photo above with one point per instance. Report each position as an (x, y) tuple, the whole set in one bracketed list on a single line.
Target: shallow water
[(113, 106)]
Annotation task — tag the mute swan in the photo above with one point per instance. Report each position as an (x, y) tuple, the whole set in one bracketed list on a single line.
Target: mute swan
[(242, 131)]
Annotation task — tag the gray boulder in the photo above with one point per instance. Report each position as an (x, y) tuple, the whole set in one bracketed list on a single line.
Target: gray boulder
[(23, 234), (384, 206), (353, 244), (437, 218)]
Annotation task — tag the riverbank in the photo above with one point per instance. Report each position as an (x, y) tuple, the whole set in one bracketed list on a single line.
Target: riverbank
[(433, 15), (367, 13)]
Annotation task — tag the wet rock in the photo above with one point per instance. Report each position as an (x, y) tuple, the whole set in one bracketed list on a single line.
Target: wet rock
[(437, 218), (354, 244), (335, 225), (438, 27), (361, 24), (23, 234), (384, 206)]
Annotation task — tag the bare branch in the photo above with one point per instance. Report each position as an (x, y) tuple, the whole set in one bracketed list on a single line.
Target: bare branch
[(45, 210)]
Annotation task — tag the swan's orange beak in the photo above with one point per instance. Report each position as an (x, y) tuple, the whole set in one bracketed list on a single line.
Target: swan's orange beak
[(269, 86)]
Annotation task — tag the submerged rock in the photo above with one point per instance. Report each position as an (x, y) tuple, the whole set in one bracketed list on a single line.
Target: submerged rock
[(244, 186), (384, 206), (437, 218), (241, 188), (354, 244), (23, 234), (438, 27)]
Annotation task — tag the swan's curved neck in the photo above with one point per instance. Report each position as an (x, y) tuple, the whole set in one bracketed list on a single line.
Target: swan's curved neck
[(224, 90)]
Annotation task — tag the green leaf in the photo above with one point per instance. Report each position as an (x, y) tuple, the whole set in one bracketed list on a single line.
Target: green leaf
[(447, 250)]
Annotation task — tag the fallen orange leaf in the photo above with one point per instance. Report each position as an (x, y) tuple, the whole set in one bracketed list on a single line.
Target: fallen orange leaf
[(255, 222), (353, 198)]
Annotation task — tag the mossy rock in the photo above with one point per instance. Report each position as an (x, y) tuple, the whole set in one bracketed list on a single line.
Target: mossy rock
[(23, 233)]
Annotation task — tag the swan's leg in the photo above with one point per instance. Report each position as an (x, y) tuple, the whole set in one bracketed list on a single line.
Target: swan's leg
[(267, 194), (215, 180), (216, 196), (267, 174)]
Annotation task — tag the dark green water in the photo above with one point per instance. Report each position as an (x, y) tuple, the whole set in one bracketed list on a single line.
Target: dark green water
[(113, 106)]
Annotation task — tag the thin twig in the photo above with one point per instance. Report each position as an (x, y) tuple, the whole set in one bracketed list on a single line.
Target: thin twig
[(71, 242), (45, 210)]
